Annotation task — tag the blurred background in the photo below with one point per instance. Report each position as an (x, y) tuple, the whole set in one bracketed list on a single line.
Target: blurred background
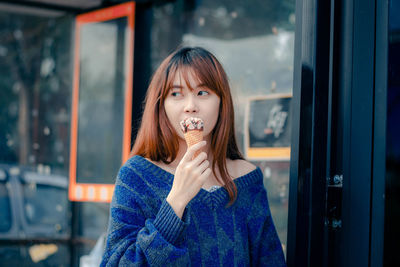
[(47, 54)]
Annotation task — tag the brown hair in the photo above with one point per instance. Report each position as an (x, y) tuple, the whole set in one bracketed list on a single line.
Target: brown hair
[(156, 138)]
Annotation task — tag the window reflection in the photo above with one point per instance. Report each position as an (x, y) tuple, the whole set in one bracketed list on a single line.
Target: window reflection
[(35, 254), (5, 214), (35, 77), (101, 100), (35, 99), (45, 205), (45, 201)]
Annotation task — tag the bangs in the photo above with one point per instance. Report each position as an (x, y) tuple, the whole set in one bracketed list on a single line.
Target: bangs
[(202, 68)]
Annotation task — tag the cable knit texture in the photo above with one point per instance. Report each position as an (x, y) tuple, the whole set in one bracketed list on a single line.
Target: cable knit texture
[(145, 231)]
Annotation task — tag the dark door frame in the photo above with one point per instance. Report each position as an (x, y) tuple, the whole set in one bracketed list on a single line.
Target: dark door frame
[(309, 134), (339, 126)]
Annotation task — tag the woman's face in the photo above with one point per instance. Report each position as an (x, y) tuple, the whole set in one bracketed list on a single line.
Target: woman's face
[(182, 103)]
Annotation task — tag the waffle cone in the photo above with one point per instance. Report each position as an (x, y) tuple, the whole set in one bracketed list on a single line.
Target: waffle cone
[(193, 137)]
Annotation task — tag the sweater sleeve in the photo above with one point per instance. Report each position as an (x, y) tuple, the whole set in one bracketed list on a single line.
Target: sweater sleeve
[(133, 239), (265, 247)]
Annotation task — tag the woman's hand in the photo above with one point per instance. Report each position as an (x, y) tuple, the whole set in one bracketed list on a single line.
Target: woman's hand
[(190, 175)]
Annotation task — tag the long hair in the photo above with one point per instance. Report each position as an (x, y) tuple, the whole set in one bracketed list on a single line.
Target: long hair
[(156, 138)]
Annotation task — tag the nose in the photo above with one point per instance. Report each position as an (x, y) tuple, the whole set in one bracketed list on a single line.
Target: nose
[(191, 104)]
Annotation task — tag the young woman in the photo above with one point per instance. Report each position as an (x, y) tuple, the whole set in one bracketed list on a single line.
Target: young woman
[(172, 208)]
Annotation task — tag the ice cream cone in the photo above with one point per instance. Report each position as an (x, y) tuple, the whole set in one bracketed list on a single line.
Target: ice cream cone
[(193, 137), (193, 132)]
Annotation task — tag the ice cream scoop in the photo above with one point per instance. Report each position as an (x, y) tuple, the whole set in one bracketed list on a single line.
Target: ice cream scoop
[(192, 129)]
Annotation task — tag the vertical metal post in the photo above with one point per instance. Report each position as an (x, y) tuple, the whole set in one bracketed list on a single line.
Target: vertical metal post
[(379, 138), (306, 239)]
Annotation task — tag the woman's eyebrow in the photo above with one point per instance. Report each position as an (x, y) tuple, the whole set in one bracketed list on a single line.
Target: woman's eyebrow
[(177, 86)]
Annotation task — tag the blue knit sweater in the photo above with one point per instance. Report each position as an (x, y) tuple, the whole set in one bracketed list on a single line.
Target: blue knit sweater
[(145, 231)]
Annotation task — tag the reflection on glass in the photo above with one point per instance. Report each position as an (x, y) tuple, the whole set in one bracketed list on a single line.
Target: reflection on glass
[(35, 99), (268, 123), (94, 215), (5, 209), (45, 205), (101, 100), (35, 95), (276, 181), (24, 255)]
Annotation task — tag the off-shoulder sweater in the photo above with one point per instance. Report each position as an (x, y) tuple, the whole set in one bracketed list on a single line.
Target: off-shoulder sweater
[(145, 231)]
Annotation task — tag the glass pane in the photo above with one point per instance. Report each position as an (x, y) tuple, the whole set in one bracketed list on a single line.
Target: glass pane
[(35, 101), (94, 219), (46, 205), (5, 209), (35, 95), (268, 122), (254, 40), (33, 254), (101, 100)]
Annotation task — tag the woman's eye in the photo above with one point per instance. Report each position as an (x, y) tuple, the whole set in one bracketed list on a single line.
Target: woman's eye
[(176, 94), (203, 93)]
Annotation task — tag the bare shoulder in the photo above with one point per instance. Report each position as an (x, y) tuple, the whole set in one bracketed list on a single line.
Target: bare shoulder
[(239, 167)]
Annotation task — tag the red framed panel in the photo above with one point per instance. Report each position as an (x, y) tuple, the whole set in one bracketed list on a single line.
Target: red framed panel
[(95, 191)]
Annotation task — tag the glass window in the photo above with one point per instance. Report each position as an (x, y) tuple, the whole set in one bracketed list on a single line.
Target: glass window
[(101, 100), (35, 95), (35, 254), (35, 100), (46, 205), (94, 219), (5, 208), (254, 40)]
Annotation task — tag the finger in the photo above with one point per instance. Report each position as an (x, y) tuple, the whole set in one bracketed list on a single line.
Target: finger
[(191, 150), (203, 177), (203, 166), (199, 158)]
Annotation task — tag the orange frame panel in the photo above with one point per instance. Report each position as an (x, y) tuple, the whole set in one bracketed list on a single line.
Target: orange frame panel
[(100, 192)]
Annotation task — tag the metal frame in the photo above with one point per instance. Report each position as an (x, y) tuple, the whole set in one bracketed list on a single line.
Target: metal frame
[(43, 6), (358, 47), (339, 127), (379, 139), (309, 134)]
